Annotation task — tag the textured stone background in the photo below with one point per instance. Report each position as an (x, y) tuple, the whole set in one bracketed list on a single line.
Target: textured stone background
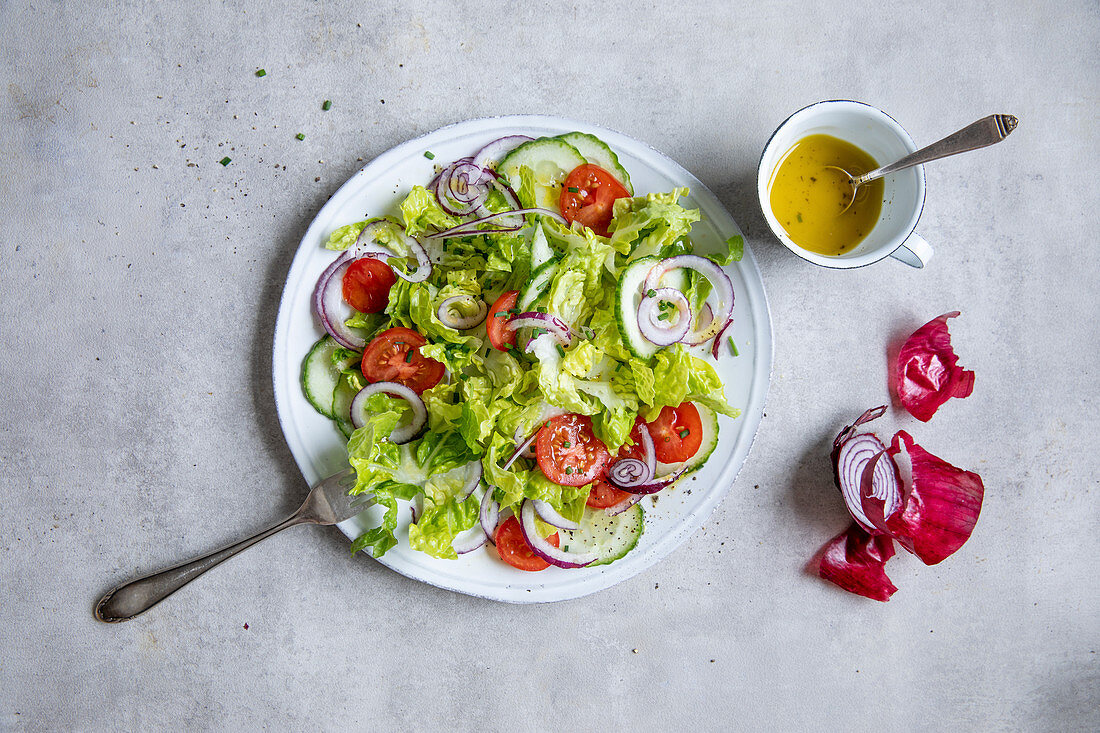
[(139, 285)]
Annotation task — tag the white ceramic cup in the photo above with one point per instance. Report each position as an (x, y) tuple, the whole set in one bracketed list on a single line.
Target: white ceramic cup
[(885, 140)]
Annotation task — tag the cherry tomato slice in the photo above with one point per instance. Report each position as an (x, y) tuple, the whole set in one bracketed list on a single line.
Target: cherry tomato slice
[(366, 285), (567, 451), (677, 433), (500, 337), (588, 195), (394, 356), (515, 551), (604, 495)]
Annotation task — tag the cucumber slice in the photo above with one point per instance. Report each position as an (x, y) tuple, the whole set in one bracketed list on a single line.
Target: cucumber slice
[(539, 284), (348, 385), (628, 297), (550, 159), (709, 420), (597, 152), (609, 537), (541, 251), (320, 374)]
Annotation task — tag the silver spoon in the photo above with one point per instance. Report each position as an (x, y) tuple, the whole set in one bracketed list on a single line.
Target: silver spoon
[(327, 503), (986, 131)]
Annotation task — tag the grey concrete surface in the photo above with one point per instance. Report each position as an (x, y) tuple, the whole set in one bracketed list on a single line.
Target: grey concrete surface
[(140, 280)]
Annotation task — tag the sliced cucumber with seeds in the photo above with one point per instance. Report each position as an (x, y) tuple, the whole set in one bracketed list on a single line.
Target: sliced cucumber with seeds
[(348, 385), (626, 307), (321, 371), (597, 152), (539, 284), (550, 159), (610, 537)]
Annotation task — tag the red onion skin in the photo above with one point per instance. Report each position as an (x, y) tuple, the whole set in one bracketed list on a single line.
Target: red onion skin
[(927, 372), (942, 507), (856, 561)]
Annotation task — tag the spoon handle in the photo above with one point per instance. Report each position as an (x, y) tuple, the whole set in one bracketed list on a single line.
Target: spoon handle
[(138, 596), (985, 131)]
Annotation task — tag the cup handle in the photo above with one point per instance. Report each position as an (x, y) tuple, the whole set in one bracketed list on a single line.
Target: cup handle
[(915, 251)]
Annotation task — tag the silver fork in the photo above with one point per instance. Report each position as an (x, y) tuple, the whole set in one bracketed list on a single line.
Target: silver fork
[(327, 503)]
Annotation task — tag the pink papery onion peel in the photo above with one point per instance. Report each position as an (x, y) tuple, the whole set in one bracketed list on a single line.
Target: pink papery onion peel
[(928, 372), (856, 561)]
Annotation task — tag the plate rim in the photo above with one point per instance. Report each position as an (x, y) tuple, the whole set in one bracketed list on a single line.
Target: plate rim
[(752, 411)]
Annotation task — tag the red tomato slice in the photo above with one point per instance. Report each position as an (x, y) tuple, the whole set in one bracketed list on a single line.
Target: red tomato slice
[(603, 495), (636, 450), (677, 433), (394, 356), (587, 196), (367, 283), (499, 336), (567, 451), (515, 551)]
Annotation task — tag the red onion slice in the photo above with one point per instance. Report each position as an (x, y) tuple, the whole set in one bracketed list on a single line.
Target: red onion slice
[(551, 516), (719, 280), (553, 325), (448, 316), (402, 433), (664, 333), (635, 475), (473, 538), (489, 515), (699, 326), (469, 228), (623, 505), (332, 309), (719, 338), (655, 485), (544, 549), (491, 153), (519, 451), (869, 481), (473, 481)]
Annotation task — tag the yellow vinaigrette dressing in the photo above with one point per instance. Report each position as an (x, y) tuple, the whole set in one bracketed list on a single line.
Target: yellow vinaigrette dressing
[(808, 199)]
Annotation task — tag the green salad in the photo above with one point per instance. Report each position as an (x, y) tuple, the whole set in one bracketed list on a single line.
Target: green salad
[(523, 351)]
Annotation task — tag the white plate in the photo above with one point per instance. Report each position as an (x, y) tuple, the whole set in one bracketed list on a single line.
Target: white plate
[(319, 448)]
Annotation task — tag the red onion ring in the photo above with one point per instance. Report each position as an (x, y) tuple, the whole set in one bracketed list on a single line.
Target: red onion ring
[(553, 325), (544, 549), (471, 227), (331, 308), (699, 326), (864, 471), (649, 322), (654, 486), (719, 337), (473, 481), (490, 154), (473, 538), (551, 516), (489, 515), (519, 451), (719, 280), (623, 505), (400, 434), (631, 475), (461, 323)]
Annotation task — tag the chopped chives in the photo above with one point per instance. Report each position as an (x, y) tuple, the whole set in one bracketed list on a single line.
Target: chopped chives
[(684, 433), (429, 155), (565, 548), (568, 469), (500, 314), (408, 356), (327, 105), (261, 72), (650, 293), (541, 309), (573, 189), (663, 317), (567, 444), (301, 136), (733, 347), (226, 160), (561, 351)]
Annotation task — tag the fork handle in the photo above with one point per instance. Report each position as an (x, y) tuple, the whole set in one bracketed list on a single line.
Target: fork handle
[(138, 596), (986, 131)]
